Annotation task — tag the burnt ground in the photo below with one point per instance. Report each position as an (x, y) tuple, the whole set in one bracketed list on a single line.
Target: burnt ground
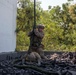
[(59, 64)]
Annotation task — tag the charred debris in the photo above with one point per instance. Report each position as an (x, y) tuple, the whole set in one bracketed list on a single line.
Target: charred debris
[(58, 64)]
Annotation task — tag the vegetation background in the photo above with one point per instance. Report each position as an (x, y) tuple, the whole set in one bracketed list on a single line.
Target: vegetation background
[(60, 25)]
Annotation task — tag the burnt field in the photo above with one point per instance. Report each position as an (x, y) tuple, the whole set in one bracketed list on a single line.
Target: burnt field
[(59, 64)]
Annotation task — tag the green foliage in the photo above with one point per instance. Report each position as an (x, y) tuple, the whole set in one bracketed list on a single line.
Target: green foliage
[(65, 23), (25, 22), (25, 15), (22, 41), (60, 25)]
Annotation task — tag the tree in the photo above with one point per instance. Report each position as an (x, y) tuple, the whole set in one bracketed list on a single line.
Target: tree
[(65, 18), (25, 14), (25, 21), (60, 26)]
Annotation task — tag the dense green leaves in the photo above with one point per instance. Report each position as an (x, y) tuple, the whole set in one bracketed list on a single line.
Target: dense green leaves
[(22, 41), (60, 25)]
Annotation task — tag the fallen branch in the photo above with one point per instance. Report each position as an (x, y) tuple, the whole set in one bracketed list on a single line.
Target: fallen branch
[(33, 67)]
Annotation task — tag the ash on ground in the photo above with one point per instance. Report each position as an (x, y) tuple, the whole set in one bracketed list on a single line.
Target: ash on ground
[(62, 64)]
